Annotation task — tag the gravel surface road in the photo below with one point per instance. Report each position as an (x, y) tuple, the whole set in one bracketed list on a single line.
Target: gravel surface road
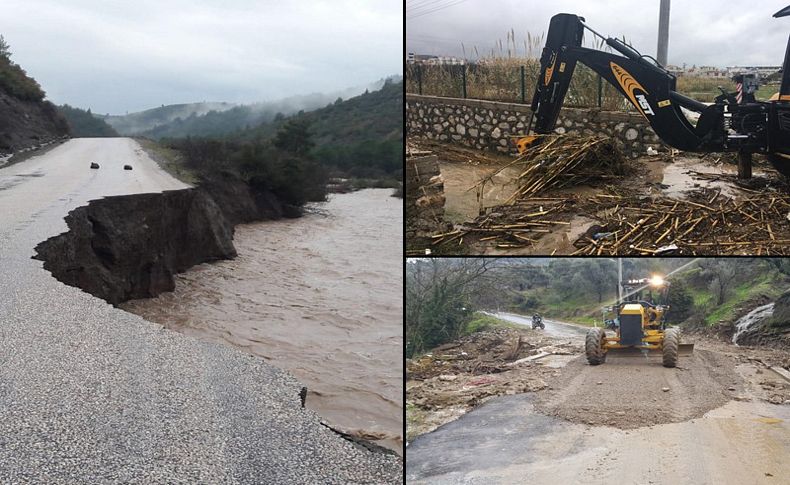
[(92, 394)]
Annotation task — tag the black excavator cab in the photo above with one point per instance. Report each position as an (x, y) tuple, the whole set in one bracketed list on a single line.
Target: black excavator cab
[(724, 126)]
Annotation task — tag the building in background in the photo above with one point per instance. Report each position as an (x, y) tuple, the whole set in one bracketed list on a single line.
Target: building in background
[(412, 58)]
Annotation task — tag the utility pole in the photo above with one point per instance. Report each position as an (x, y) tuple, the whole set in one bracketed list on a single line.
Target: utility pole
[(663, 32), (619, 281)]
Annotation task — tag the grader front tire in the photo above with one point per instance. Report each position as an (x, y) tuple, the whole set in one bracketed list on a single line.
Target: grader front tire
[(593, 346), (670, 347)]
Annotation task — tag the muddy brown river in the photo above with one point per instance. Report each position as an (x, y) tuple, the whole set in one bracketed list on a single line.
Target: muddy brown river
[(320, 296)]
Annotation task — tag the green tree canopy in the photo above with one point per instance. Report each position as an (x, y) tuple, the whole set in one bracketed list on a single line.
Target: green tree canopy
[(294, 137)]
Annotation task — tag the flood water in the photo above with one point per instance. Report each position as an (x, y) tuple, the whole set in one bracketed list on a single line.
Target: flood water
[(320, 296)]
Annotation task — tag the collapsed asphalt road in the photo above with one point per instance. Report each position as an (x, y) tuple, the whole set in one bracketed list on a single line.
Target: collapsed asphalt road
[(90, 393)]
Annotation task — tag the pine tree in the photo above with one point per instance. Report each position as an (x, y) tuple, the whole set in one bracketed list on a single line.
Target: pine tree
[(4, 48)]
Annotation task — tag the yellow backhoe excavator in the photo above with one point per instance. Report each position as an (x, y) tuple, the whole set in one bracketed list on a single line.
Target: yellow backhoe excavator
[(728, 125), (640, 325)]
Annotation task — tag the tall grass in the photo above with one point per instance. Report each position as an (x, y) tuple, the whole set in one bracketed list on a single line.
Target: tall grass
[(500, 79), (496, 76)]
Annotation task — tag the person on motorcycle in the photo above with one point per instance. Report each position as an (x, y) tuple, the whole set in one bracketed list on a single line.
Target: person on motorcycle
[(537, 321)]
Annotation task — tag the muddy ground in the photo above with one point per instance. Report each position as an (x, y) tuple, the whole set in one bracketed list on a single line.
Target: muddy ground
[(675, 176), (456, 377), (626, 392)]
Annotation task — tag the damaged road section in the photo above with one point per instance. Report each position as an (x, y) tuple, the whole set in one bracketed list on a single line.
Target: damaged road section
[(135, 256), (130, 246), (479, 407)]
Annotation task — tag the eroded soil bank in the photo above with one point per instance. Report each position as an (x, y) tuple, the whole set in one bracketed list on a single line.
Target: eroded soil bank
[(131, 246), (320, 296)]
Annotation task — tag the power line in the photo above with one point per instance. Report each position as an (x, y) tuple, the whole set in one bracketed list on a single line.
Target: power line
[(422, 4), (427, 8), (436, 9)]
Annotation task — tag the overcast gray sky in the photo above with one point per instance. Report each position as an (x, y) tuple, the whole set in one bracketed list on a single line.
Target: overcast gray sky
[(702, 32), (114, 56)]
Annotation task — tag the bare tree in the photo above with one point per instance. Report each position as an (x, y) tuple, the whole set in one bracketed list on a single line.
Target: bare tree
[(722, 273), (440, 295)]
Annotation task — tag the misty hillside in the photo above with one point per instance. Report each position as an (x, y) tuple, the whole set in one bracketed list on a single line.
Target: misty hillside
[(220, 122), (26, 119), (83, 124), (134, 123), (362, 136), (375, 115)]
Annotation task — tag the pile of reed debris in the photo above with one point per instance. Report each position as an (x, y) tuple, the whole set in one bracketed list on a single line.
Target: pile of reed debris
[(706, 222), (559, 161), (513, 226)]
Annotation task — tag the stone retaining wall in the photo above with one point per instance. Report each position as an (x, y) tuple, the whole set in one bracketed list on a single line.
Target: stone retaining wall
[(424, 197), (492, 125)]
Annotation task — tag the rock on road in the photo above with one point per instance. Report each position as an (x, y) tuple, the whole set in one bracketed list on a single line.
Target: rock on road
[(92, 394)]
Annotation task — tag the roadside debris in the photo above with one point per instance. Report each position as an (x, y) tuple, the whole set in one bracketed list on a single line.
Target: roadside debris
[(460, 375), (704, 223), (731, 217)]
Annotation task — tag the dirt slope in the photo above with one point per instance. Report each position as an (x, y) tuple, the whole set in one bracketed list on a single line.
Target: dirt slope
[(634, 391), (27, 123)]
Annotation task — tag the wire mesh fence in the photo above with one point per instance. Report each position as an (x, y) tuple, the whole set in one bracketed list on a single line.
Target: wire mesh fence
[(510, 81)]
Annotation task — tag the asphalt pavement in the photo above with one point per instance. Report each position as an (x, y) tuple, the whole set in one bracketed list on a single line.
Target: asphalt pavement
[(554, 328), (92, 394)]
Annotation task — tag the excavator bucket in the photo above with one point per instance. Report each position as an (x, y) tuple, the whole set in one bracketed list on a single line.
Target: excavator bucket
[(525, 142)]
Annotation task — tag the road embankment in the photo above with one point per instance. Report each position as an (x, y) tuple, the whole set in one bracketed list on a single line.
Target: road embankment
[(130, 246)]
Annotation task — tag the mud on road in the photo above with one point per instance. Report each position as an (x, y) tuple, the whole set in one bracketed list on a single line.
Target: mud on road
[(721, 416), (456, 377), (634, 391)]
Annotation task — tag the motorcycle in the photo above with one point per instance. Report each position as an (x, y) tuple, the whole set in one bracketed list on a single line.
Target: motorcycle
[(537, 321)]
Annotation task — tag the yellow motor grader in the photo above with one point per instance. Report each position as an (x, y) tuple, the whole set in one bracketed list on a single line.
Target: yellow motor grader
[(640, 325)]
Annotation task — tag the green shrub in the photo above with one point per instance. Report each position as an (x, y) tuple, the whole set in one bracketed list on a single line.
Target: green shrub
[(15, 81)]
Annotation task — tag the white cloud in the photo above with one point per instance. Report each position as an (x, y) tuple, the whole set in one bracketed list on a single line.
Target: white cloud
[(701, 32), (115, 56)]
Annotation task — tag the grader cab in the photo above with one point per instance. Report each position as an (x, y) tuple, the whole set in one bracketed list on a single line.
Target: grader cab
[(640, 325)]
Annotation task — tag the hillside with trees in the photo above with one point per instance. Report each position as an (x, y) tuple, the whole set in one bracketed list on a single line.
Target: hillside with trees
[(141, 121), (283, 165), (83, 124), (361, 138), (208, 119), (14, 80), (26, 118), (443, 295)]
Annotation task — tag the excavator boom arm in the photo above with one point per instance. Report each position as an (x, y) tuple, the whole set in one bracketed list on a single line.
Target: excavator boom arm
[(649, 87)]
